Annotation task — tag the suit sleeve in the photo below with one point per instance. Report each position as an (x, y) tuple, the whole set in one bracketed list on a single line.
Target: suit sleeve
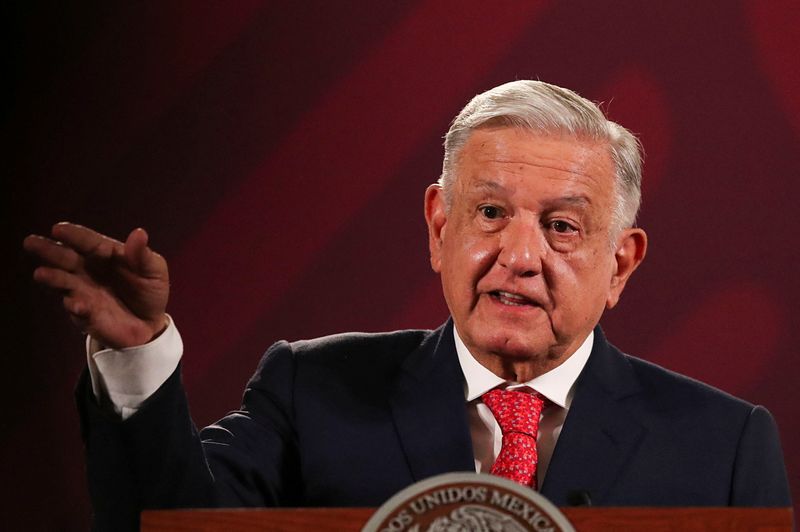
[(157, 459), (759, 477)]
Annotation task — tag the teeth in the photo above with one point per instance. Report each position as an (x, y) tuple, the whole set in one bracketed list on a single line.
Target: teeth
[(510, 295), (507, 298)]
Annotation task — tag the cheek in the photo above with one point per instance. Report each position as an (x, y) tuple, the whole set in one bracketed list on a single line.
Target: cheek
[(479, 253), (578, 274), (465, 263), (561, 278), (469, 254)]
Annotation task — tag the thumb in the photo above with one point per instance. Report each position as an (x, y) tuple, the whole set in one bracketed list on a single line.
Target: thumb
[(139, 257)]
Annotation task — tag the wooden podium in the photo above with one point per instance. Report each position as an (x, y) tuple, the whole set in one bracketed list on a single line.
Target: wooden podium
[(584, 518)]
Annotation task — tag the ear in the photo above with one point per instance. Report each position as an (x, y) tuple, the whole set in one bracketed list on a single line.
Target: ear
[(630, 252), (436, 218)]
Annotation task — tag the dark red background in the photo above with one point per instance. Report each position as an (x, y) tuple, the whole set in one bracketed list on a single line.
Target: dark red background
[(278, 154)]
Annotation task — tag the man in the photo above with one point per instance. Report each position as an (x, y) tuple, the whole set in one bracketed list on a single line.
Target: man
[(532, 230)]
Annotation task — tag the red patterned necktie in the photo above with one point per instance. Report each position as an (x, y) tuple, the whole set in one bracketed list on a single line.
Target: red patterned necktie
[(518, 415)]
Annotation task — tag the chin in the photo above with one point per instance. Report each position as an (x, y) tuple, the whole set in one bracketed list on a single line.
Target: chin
[(517, 347)]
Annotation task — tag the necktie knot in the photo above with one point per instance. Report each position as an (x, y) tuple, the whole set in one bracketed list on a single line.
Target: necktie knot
[(518, 414), (515, 411)]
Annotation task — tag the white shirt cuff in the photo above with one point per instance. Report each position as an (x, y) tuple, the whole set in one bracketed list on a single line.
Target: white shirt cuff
[(128, 376)]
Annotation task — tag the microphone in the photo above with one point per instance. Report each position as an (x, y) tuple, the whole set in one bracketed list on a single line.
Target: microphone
[(579, 498)]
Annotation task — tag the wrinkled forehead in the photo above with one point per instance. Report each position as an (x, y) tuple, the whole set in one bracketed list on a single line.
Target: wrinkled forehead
[(519, 151)]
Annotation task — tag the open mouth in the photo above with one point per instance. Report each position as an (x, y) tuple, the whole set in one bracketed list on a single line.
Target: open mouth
[(512, 300)]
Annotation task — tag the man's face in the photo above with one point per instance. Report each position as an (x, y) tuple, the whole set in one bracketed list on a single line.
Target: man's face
[(524, 250)]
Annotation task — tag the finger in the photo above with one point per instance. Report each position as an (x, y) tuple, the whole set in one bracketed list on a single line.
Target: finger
[(53, 253), (136, 250), (56, 278), (79, 316), (85, 241), (140, 258), (77, 307)]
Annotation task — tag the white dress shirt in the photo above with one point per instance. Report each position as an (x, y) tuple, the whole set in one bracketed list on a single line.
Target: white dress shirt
[(558, 385), (126, 377)]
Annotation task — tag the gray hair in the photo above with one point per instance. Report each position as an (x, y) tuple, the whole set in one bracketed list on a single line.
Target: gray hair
[(549, 109)]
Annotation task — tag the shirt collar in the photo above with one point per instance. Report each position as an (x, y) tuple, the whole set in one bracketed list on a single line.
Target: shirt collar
[(558, 384)]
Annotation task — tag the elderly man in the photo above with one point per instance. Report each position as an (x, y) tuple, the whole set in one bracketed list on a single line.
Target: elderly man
[(531, 228)]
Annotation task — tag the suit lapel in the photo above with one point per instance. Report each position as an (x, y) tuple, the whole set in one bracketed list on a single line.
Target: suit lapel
[(429, 410), (599, 434)]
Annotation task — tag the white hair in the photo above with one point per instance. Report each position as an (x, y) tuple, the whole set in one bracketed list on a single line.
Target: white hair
[(548, 109)]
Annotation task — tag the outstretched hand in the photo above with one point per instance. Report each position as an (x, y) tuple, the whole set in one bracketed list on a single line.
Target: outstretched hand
[(115, 291)]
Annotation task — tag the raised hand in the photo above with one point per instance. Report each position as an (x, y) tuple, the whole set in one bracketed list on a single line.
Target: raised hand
[(115, 291)]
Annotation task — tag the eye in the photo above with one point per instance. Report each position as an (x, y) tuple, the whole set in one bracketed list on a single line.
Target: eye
[(560, 226), (490, 212)]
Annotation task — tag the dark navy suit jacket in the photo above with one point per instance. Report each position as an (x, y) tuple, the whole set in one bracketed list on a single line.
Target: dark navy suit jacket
[(350, 419)]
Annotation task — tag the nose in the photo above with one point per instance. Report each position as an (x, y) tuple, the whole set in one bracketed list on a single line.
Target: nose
[(522, 248)]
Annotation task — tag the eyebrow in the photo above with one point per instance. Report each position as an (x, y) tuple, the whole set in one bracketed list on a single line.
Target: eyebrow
[(579, 200), (489, 186)]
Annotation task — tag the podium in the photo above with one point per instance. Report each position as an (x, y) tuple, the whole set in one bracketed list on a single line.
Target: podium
[(582, 518)]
